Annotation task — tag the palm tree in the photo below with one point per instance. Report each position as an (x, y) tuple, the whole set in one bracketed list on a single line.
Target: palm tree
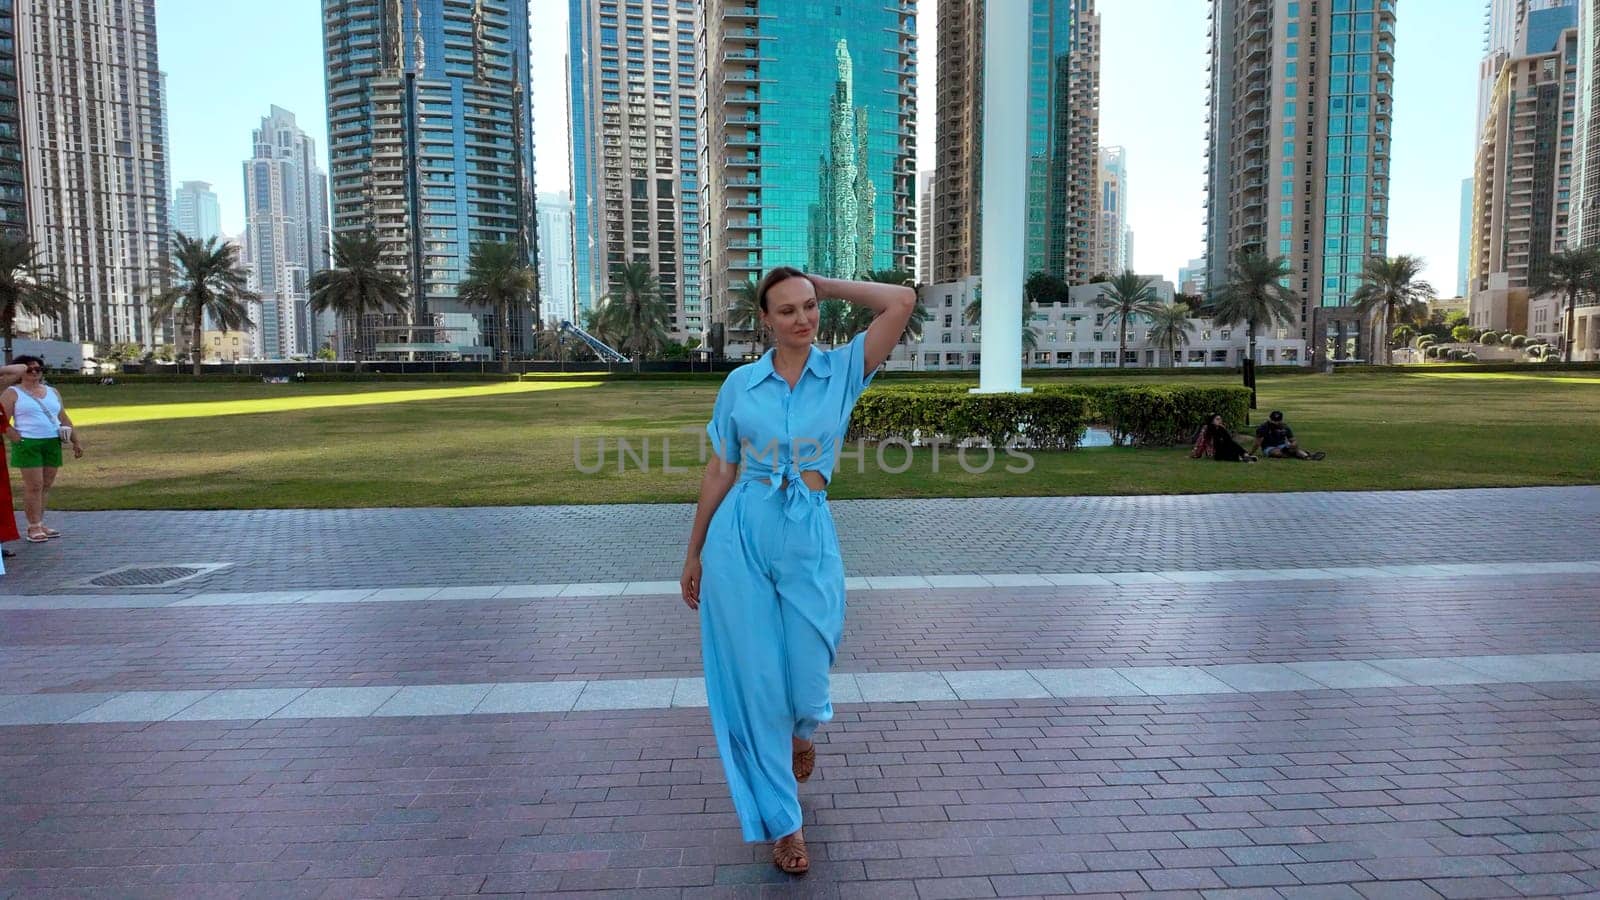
[(833, 321), (635, 312), (973, 315), (1570, 273), (499, 278), (1388, 287), (205, 278), (744, 312), (861, 317), (356, 287), (24, 289), (1127, 296), (1255, 294), (1169, 329)]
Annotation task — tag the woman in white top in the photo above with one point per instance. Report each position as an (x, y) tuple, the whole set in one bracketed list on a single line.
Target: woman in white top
[(39, 425)]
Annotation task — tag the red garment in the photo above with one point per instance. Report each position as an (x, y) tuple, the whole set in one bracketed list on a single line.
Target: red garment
[(8, 521)]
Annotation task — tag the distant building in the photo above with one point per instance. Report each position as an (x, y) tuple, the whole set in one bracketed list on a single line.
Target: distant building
[(286, 237), (1113, 239), (636, 177), (1464, 250), (925, 226), (1076, 334), (809, 155), (93, 114), (1063, 139), (195, 212), (1300, 141), (1193, 278), (430, 132), (555, 258), (1522, 182)]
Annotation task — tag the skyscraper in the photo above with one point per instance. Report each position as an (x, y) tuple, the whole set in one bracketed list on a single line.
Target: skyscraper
[(1113, 238), (1300, 139), (555, 257), (925, 226), (195, 212), (636, 174), (286, 234), (13, 188), (1464, 251), (95, 149), (1517, 28), (1063, 139), (430, 129), (809, 150), (1522, 183), (1584, 228)]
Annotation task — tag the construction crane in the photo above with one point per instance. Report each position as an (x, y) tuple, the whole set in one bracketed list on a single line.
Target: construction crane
[(603, 350)]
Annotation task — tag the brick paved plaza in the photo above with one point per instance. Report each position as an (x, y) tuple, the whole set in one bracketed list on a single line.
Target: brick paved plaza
[(1329, 695)]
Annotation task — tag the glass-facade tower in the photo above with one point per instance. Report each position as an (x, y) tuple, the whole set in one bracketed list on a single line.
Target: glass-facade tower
[(1300, 113), (636, 170), (1062, 141), (430, 129), (809, 138), (13, 192)]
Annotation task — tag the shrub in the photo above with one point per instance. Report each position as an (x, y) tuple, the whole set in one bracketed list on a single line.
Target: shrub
[(1048, 419), (1144, 414), (1464, 334), (1489, 338), (1468, 356), (1422, 340), (1517, 341), (1435, 351)]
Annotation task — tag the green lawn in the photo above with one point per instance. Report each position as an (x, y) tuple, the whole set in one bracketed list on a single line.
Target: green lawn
[(185, 446)]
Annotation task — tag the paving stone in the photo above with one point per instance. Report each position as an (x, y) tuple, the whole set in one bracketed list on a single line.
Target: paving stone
[(140, 706), (239, 704), (558, 696), (318, 703), (1171, 680), (1004, 685), (646, 693), (902, 687), (434, 700)]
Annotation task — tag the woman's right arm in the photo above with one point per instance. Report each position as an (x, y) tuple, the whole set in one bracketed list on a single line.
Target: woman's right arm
[(719, 478)]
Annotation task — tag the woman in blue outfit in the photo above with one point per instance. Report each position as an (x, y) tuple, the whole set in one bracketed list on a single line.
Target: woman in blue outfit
[(763, 566)]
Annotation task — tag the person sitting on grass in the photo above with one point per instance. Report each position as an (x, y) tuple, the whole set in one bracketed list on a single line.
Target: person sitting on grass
[(1215, 441), (1276, 439)]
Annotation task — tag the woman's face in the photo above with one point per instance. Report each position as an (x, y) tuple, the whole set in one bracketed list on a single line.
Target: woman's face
[(791, 313), (32, 374), (1216, 420)]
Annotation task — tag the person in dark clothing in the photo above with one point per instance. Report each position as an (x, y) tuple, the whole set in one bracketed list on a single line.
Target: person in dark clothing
[(1276, 439), (1215, 441)]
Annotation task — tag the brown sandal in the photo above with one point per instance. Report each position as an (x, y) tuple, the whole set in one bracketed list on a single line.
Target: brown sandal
[(804, 762), (789, 854)]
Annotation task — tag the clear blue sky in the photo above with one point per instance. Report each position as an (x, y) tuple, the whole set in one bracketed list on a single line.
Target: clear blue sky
[(227, 62)]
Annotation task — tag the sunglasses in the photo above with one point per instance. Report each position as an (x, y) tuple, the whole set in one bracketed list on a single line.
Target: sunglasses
[(34, 369)]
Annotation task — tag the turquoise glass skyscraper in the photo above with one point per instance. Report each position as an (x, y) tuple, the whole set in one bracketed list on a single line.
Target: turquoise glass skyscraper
[(809, 138), (430, 132)]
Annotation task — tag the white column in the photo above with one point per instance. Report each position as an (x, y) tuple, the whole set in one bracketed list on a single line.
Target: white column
[(1005, 190)]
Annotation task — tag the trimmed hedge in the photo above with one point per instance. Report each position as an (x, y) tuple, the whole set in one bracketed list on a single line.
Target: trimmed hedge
[(1049, 420), (1054, 416), (1537, 367)]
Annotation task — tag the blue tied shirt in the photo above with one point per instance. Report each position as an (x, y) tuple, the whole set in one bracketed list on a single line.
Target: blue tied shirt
[(777, 432)]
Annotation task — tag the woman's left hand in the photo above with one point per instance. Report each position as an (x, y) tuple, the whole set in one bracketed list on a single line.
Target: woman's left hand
[(77, 450)]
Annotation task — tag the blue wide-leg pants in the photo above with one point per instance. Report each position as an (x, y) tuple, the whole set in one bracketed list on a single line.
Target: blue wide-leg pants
[(771, 615)]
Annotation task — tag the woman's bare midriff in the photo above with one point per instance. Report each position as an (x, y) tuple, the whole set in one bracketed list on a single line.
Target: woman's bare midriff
[(814, 480)]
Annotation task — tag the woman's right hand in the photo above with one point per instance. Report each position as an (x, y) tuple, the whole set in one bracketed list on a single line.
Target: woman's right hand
[(690, 582)]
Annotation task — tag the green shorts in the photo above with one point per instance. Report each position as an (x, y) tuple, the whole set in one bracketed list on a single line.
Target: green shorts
[(32, 453)]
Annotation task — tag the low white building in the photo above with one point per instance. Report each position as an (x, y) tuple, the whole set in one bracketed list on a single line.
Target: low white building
[(1079, 335)]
